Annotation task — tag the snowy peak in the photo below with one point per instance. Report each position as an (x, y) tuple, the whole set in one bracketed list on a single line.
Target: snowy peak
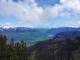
[(6, 26)]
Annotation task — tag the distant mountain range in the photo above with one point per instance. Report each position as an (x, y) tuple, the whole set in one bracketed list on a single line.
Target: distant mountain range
[(32, 35)]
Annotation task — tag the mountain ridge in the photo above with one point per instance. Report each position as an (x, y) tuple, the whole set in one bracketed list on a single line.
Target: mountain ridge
[(32, 35)]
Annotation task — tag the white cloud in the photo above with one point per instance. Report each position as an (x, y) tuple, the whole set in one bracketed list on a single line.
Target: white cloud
[(28, 11), (19, 11), (71, 4)]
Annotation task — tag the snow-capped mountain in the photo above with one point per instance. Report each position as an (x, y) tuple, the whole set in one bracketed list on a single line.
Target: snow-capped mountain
[(7, 26)]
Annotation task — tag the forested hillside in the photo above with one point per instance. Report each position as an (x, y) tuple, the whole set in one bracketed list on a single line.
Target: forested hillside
[(51, 49)]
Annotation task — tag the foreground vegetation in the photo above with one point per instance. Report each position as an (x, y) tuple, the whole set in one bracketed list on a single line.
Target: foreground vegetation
[(68, 49)]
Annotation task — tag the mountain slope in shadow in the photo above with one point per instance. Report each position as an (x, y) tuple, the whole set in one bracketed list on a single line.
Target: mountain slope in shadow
[(62, 47)]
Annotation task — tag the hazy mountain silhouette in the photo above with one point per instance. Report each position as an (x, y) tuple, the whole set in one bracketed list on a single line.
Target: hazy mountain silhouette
[(32, 35)]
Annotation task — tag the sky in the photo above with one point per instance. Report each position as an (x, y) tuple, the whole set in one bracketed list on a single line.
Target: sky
[(40, 13)]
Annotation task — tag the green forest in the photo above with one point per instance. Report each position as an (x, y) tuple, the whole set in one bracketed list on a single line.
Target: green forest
[(68, 49)]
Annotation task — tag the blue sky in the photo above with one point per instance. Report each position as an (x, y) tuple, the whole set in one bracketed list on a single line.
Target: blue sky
[(40, 13), (45, 3)]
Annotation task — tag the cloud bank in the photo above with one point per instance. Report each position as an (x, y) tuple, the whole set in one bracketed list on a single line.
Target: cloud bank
[(30, 14)]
